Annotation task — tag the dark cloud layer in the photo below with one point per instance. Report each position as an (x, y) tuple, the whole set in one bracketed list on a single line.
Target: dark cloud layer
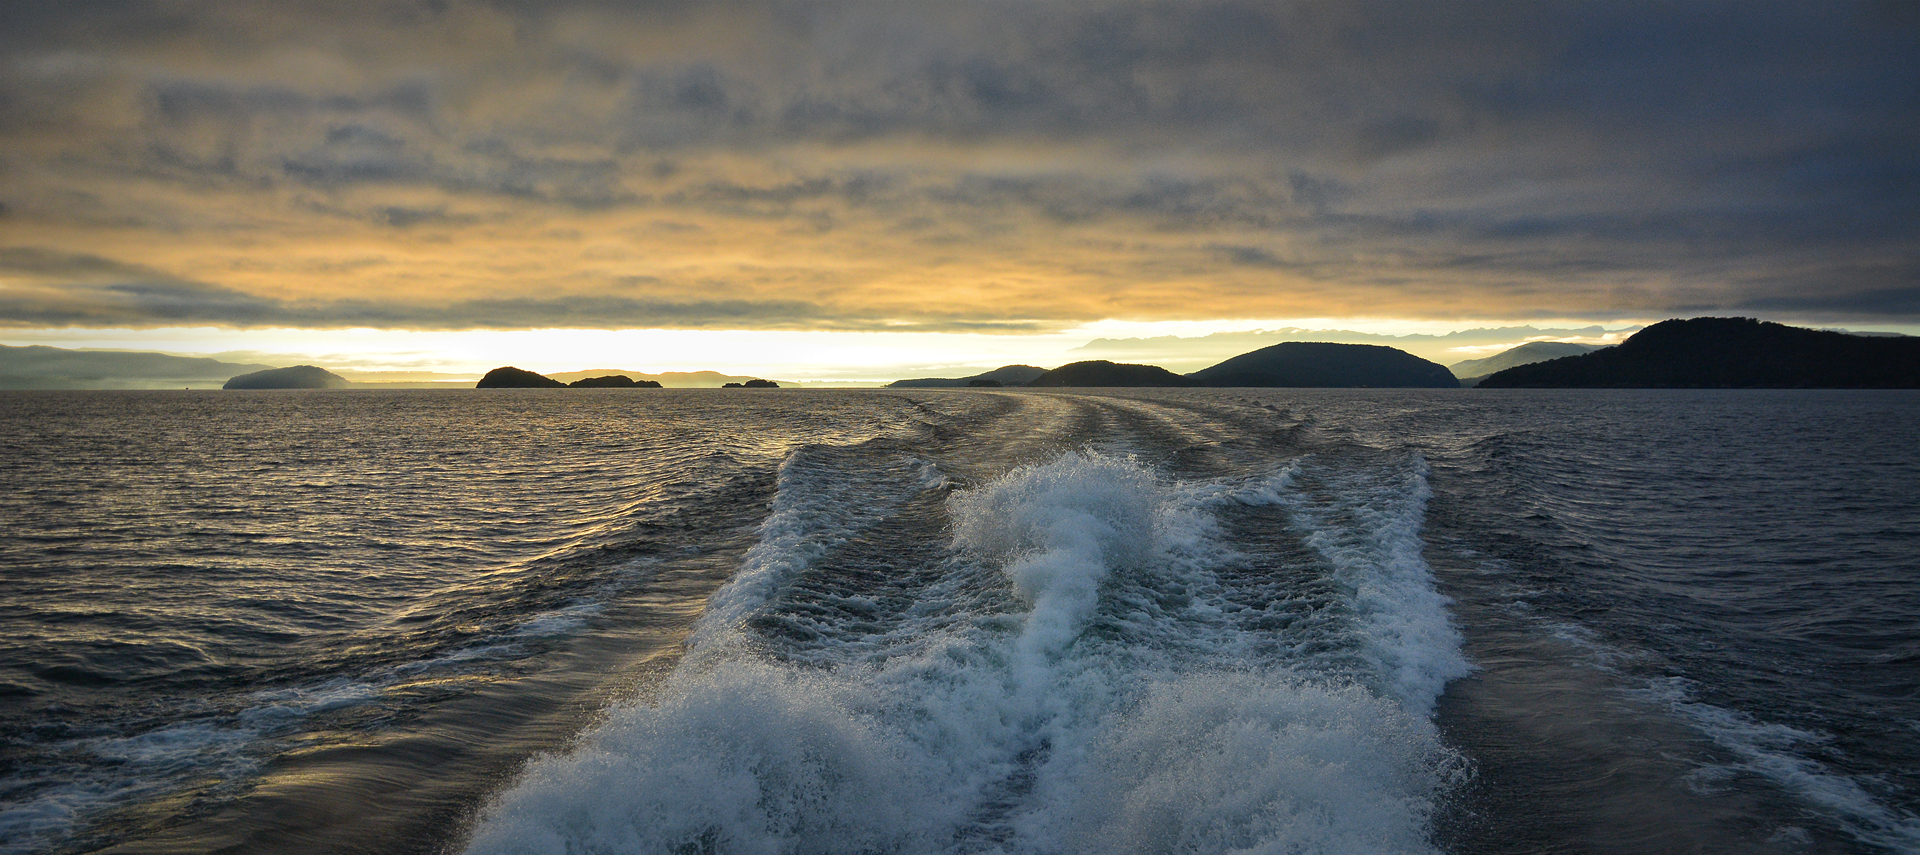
[(872, 164)]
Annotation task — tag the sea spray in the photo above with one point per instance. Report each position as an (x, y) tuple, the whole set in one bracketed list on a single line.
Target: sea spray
[(1250, 762), (1371, 537), (820, 501), (1780, 753), (746, 757), (1095, 704), (1060, 528), (1226, 752)]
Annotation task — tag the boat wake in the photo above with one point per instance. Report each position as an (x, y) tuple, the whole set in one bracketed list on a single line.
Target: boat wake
[(1078, 656)]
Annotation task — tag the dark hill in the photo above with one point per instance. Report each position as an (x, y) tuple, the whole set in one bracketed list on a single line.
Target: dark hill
[(1705, 353), (1005, 375), (1009, 375), (509, 377), (613, 381), (297, 377), (1325, 364), (1100, 372)]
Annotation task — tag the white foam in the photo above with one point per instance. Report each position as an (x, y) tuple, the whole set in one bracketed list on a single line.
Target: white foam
[(1093, 718), (1060, 528), (1250, 762), (816, 506), (1371, 536), (1268, 490), (125, 769), (559, 621), (1775, 752), (1779, 753), (278, 707), (748, 757), (27, 826), (171, 748)]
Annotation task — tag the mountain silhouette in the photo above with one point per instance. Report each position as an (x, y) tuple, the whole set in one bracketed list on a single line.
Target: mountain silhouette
[(296, 377), (1326, 364), (509, 377), (1005, 375), (1100, 372), (1730, 353)]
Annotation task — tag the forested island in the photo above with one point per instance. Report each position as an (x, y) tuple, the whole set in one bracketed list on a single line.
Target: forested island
[(509, 377), (1296, 364), (296, 377), (1729, 353), (1317, 364)]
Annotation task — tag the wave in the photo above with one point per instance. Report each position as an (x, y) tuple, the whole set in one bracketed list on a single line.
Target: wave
[(1408, 634), (819, 502), (208, 753), (1074, 670), (1784, 755)]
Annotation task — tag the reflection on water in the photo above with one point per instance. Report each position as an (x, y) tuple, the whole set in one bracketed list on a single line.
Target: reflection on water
[(1206, 620)]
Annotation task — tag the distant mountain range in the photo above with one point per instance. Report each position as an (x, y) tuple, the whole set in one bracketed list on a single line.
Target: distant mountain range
[(1299, 364), (1702, 352), (1730, 353), (42, 367), (1192, 353), (1472, 371)]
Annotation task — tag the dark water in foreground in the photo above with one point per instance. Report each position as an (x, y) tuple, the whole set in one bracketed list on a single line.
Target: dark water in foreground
[(943, 621)]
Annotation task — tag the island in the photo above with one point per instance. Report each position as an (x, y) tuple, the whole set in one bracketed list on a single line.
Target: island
[(509, 377), (1319, 364), (752, 384), (644, 380), (613, 381), (1100, 372), (1729, 353), (296, 377), (1306, 364), (1005, 375)]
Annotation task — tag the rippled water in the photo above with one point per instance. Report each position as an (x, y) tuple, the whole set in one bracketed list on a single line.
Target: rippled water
[(1197, 620)]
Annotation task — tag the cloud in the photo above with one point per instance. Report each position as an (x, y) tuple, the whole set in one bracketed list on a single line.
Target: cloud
[(54, 288), (1193, 353), (975, 163)]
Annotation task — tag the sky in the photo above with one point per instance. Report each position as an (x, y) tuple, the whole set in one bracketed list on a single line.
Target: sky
[(879, 189)]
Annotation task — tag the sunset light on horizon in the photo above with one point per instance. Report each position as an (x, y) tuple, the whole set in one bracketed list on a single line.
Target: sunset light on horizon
[(953, 427), (861, 190)]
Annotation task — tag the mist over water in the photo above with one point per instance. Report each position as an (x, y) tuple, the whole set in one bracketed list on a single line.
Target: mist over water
[(971, 622)]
